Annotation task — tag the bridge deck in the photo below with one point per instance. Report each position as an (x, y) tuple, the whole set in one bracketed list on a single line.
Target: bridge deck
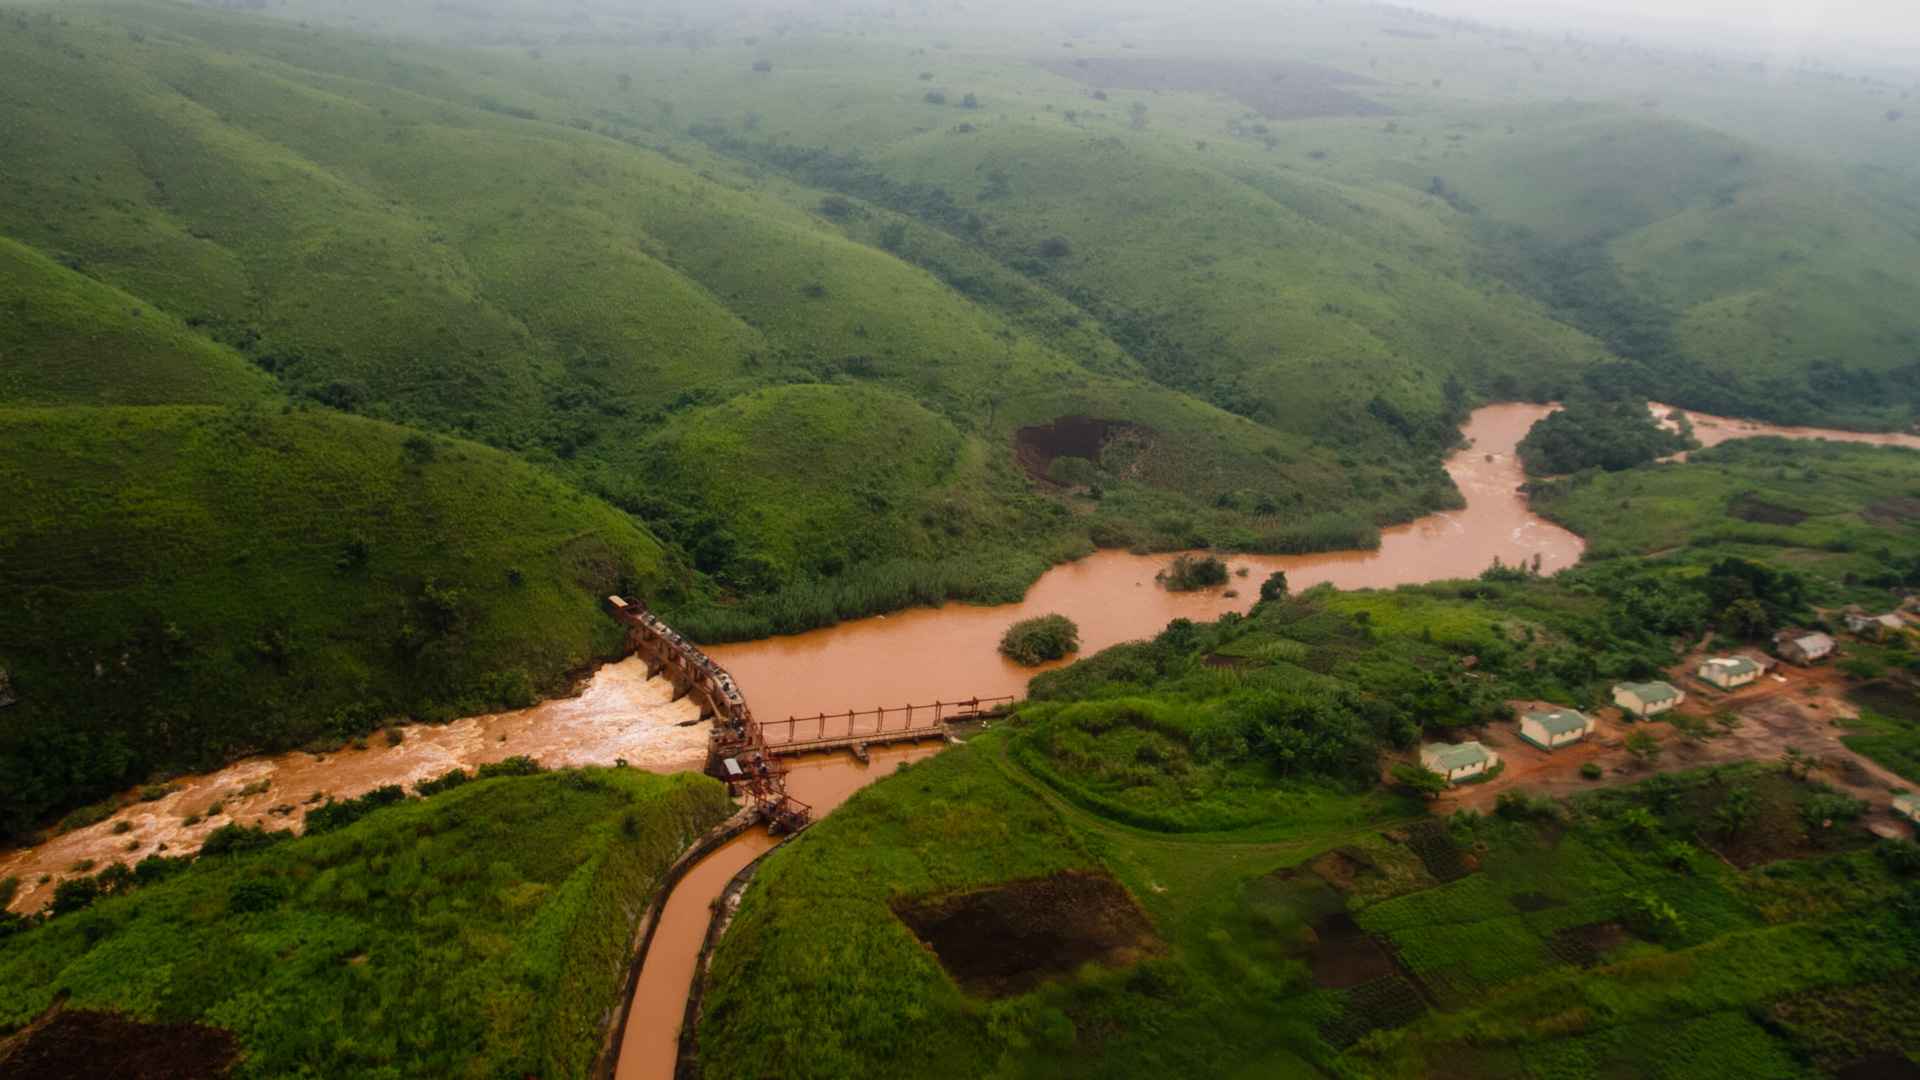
[(857, 743)]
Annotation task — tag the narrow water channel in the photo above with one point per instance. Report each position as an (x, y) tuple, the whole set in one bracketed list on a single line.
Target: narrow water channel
[(822, 781)]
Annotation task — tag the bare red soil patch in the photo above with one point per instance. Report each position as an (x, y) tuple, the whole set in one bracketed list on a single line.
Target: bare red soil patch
[(1275, 90), (1006, 940), (101, 1046)]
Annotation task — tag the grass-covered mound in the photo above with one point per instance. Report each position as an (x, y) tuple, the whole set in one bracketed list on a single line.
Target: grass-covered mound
[(481, 932), (186, 584), (66, 339), (793, 482)]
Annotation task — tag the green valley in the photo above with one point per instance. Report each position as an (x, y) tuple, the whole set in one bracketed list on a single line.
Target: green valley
[(354, 355)]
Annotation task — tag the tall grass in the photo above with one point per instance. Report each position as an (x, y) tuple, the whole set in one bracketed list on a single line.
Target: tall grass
[(863, 591)]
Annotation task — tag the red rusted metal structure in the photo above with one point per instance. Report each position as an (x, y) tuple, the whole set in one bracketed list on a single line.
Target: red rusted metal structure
[(737, 750), (858, 730)]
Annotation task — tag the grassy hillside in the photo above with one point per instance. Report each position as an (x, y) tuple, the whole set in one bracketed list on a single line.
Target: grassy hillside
[(192, 583), (1731, 272), (1842, 507), (803, 480), (434, 237), (1293, 269), (66, 339), (482, 932)]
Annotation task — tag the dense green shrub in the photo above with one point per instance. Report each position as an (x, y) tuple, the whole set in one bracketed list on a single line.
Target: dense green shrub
[(1610, 436), (241, 840), (1187, 573), (334, 814), (518, 765), (1040, 639), (447, 781)]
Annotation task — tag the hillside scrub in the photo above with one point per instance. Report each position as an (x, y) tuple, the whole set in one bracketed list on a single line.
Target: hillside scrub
[(861, 591), (496, 919), (1040, 639), (202, 583)]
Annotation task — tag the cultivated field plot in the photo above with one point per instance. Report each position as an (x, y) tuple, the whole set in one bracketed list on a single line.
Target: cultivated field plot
[(1005, 941), (1716, 923)]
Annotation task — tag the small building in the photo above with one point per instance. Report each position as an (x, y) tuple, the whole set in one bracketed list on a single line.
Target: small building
[(1458, 761), (1644, 699), (1559, 727), (1859, 622), (1761, 660), (1728, 672), (1803, 647), (1907, 806)]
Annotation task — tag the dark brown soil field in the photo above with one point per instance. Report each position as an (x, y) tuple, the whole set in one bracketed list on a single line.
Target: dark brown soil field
[(1888, 1066), (1585, 946), (1070, 436), (1006, 940), (1346, 956), (1277, 91), (79, 1043)]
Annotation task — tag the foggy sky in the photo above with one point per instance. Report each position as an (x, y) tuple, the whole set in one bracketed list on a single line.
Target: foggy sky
[(1782, 26)]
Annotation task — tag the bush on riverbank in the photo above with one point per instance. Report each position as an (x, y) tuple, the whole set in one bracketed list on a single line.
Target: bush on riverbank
[(481, 932), (1038, 640)]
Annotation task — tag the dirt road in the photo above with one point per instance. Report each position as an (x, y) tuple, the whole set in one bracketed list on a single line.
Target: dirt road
[(1803, 708)]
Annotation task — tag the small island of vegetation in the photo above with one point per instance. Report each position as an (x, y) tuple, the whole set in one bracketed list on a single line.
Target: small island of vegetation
[(1040, 639)]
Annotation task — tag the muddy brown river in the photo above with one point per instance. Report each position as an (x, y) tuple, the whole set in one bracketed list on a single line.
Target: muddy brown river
[(912, 657)]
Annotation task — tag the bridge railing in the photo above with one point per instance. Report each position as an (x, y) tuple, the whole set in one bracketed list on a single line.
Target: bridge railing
[(876, 722)]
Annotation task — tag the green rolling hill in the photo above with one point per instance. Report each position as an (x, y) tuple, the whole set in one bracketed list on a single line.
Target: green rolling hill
[(187, 584), (66, 339)]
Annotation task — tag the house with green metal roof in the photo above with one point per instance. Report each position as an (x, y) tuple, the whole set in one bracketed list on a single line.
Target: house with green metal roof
[(1558, 727), (1458, 761), (1907, 806), (1644, 699), (1728, 672)]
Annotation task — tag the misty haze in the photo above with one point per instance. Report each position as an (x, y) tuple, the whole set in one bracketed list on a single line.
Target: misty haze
[(729, 541)]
